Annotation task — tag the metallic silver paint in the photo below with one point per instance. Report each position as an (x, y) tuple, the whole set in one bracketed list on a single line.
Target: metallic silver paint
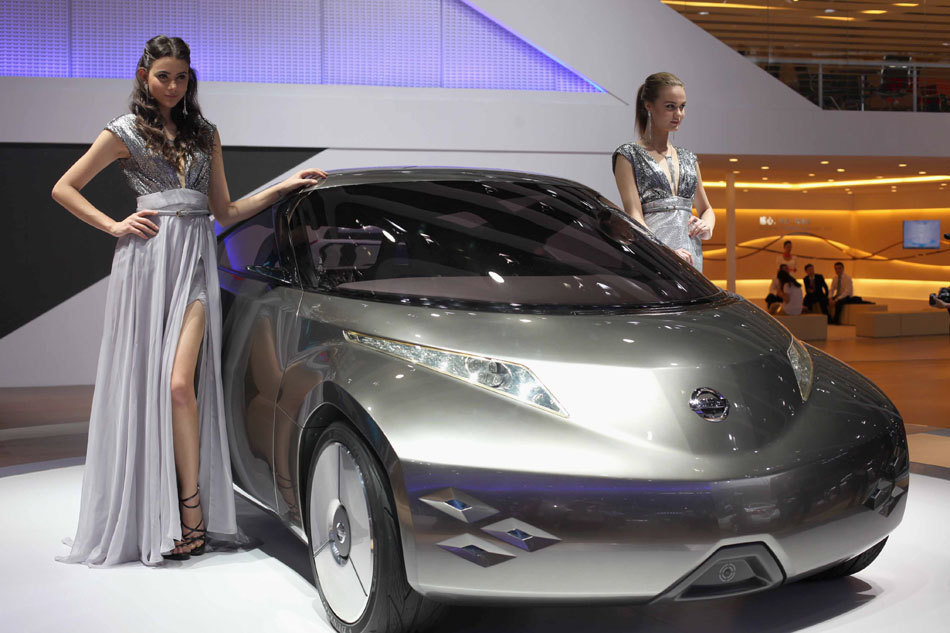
[(637, 490)]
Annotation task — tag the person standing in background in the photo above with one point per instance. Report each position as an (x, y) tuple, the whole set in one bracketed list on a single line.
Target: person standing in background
[(787, 258)]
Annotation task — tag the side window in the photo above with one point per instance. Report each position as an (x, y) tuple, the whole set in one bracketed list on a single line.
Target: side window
[(333, 243), (251, 247)]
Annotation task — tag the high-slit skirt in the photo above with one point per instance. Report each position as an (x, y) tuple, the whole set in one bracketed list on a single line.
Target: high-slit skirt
[(129, 509)]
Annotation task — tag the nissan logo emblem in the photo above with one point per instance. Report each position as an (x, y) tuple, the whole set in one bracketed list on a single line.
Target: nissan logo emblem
[(709, 404)]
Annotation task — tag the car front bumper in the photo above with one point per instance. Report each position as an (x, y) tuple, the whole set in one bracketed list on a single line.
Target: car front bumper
[(511, 536)]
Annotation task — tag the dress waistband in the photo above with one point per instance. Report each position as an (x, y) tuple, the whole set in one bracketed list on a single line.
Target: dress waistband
[(177, 202), (673, 203), (183, 212)]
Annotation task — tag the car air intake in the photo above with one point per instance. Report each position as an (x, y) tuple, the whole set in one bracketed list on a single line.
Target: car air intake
[(730, 571)]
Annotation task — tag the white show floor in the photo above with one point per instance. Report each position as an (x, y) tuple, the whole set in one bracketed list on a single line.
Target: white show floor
[(268, 589)]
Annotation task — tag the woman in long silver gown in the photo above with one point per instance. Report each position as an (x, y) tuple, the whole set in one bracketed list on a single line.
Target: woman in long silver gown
[(157, 477), (660, 184)]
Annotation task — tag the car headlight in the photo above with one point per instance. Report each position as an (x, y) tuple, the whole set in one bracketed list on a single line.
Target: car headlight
[(502, 377), (802, 365)]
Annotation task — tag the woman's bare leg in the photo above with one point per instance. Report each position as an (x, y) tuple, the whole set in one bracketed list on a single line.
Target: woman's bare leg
[(185, 414)]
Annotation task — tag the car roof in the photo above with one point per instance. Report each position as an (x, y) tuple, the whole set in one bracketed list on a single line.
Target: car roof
[(376, 175)]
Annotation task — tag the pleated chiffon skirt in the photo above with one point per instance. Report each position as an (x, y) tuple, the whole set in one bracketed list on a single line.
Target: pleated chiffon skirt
[(129, 509)]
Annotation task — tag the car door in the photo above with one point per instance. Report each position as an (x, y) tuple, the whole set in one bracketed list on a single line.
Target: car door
[(259, 298)]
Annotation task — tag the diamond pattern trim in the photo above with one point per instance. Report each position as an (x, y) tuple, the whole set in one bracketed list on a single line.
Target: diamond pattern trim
[(520, 534), (475, 550), (459, 505)]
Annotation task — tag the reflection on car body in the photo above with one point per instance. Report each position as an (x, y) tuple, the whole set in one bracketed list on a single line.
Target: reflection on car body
[(475, 386)]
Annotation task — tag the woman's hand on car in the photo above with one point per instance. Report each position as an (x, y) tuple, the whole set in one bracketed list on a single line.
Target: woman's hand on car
[(302, 178), (686, 255)]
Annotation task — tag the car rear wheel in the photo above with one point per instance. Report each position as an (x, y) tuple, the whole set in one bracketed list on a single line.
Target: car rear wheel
[(356, 555), (852, 565)]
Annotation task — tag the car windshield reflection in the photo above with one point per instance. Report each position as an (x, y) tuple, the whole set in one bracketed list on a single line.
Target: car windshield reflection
[(525, 243)]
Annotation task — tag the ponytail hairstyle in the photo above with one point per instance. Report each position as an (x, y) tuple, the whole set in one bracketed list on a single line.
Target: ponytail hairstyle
[(192, 135), (650, 91)]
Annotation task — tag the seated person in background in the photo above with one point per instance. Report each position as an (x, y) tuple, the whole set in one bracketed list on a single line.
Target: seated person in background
[(816, 290), (938, 303), (791, 294), (774, 298), (787, 259), (842, 293)]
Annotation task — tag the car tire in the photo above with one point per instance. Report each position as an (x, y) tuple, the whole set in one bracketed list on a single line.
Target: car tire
[(356, 553), (852, 565)]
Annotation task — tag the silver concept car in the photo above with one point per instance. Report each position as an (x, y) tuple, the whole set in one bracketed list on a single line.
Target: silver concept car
[(484, 386)]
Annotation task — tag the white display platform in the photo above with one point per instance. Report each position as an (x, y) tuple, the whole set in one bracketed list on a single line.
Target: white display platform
[(268, 589)]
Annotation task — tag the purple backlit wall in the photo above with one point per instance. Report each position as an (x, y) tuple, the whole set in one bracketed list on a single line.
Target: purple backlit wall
[(409, 43)]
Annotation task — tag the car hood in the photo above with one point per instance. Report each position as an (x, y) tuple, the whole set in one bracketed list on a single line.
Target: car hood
[(628, 378), (631, 376)]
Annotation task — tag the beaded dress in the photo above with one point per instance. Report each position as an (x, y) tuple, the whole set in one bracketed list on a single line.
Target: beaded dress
[(130, 494), (666, 209)]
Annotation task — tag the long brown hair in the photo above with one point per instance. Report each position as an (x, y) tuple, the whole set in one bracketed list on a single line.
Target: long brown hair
[(192, 135), (650, 91)]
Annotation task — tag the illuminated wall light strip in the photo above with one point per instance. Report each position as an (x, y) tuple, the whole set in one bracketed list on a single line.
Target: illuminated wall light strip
[(434, 43), (556, 60), (867, 286), (834, 17), (721, 184), (723, 5), (759, 243), (891, 210)]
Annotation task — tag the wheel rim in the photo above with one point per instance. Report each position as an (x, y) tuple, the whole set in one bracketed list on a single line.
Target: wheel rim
[(341, 532)]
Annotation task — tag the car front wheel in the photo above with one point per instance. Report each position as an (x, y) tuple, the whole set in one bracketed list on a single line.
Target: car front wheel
[(356, 553)]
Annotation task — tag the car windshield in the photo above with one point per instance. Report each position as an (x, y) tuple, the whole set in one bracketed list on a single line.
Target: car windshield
[(525, 244)]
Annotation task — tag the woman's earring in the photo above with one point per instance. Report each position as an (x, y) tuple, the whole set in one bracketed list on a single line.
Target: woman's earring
[(148, 95), (648, 134), (184, 107)]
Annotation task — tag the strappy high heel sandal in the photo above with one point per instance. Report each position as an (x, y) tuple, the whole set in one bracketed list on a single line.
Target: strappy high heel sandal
[(184, 542), (179, 555), (191, 534)]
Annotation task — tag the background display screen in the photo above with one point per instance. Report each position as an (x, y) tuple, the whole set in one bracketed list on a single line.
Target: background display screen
[(921, 233)]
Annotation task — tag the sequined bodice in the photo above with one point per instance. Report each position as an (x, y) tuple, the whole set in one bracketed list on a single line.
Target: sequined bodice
[(148, 172), (652, 181), (666, 209)]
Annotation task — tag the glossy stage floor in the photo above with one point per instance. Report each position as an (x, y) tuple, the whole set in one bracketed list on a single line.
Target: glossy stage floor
[(268, 588)]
